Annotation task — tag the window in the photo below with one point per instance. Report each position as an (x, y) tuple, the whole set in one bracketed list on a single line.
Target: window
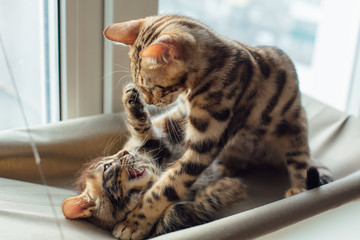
[(321, 36), (29, 35), (63, 67)]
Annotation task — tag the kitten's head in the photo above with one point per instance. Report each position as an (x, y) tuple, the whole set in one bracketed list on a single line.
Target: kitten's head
[(110, 188), (160, 50)]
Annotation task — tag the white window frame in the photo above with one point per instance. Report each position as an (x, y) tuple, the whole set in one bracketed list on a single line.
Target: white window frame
[(81, 51), (89, 64), (50, 61)]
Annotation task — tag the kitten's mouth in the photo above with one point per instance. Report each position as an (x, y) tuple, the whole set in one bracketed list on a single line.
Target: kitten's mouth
[(135, 173)]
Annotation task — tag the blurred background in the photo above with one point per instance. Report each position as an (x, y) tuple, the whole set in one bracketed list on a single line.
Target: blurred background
[(65, 69)]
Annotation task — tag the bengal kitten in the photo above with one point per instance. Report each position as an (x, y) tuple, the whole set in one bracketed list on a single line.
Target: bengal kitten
[(111, 187), (243, 104)]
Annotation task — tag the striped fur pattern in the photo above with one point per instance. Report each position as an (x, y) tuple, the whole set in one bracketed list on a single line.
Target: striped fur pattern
[(111, 187), (242, 105)]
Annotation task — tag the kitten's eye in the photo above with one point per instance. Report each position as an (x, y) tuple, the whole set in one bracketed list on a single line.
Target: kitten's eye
[(107, 166)]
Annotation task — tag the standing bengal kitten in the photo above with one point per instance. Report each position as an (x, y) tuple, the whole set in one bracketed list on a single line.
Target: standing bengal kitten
[(242, 103), (112, 186)]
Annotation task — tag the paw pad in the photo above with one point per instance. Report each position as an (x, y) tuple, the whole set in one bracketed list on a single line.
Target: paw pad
[(131, 95)]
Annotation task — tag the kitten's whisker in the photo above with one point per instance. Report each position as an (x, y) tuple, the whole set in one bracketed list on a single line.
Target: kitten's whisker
[(122, 78), (113, 72), (123, 67), (121, 71)]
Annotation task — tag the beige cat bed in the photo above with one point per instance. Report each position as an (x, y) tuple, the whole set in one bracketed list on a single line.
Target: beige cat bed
[(25, 210)]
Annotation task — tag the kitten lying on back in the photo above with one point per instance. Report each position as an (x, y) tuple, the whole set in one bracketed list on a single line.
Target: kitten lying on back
[(113, 186)]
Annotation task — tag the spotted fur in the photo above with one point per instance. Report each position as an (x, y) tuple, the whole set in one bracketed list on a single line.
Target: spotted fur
[(111, 187), (242, 103)]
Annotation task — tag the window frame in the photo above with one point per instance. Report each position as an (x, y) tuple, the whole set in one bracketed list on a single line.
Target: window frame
[(89, 66), (80, 57), (50, 61)]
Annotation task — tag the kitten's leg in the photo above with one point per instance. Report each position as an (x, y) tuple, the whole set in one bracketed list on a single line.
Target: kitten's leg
[(216, 196), (297, 155), (209, 201), (138, 118), (178, 216), (202, 148), (142, 131)]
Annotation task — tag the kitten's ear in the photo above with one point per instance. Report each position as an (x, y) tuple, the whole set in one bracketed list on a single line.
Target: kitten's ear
[(161, 51), (77, 207), (125, 32)]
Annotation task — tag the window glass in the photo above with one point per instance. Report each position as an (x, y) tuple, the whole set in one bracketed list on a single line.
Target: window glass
[(28, 30)]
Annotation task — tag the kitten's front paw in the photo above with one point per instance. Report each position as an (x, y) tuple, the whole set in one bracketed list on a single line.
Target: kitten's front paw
[(131, 95), (293, 191), (131, 229)]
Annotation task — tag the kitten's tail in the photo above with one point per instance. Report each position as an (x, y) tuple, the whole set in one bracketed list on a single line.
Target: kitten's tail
[(315, 178)]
